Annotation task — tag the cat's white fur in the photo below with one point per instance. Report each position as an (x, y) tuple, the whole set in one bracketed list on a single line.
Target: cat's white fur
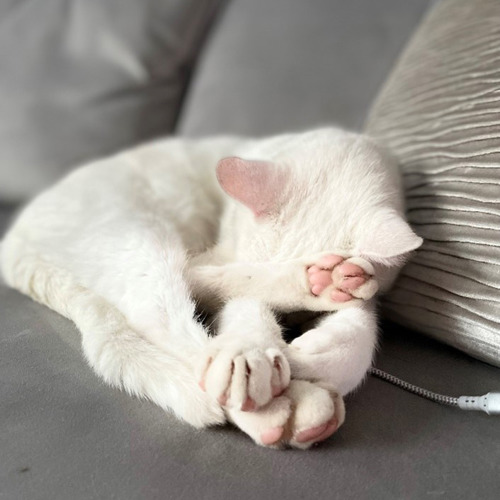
[(124, 246)]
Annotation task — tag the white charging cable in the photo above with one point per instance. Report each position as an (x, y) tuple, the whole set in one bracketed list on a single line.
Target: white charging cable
[(489, 403)]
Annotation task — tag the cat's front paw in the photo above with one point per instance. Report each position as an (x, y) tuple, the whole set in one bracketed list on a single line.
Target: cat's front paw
[(342, 279), (305, 414), (243, 376)]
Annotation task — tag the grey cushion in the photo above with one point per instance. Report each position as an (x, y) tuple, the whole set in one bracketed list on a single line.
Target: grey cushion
[(439, 113), (80, 80), (281, 65)]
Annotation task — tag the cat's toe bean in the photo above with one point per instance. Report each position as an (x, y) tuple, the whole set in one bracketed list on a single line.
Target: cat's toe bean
[(367, 284), (351, 283), (271, 436), (319, 280), (367, 290), (340, 296), (347, 269), (347, 277), (317, 434), (309, 434), (313, 270)]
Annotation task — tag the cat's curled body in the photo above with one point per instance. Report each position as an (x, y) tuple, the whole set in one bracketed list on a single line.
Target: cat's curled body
[(126, 245)]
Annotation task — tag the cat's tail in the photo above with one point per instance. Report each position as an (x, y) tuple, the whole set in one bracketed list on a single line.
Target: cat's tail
[(114, 350)]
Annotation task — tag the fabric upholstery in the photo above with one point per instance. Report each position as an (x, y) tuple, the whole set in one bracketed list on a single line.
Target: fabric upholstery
[(439, 113), (79, 80)]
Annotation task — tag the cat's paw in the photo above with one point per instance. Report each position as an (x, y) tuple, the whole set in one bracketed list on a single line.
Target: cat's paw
[(318, 412), (305, 414), (243, 376), (342, 279)]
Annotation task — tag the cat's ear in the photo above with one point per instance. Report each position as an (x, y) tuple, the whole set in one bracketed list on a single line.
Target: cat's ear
[(256, 184), (387, 238)]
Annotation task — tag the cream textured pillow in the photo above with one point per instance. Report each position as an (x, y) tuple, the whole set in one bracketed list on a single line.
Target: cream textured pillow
[(439, 113)]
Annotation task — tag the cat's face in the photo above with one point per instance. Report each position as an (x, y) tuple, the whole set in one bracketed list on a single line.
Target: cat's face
[(321, 197)]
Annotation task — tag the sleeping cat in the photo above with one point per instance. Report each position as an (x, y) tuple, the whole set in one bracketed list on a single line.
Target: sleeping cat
[(126, 247)]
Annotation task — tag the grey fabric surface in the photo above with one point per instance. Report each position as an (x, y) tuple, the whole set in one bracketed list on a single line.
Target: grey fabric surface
[(79, 80), (274, 66), (6, 216), (65, 435), (439, 113)]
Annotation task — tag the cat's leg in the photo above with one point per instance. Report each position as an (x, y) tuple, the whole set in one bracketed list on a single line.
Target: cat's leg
[(125, 359), (246, 371), (118, 352), (339, 350), (244, 366), (326, 282)]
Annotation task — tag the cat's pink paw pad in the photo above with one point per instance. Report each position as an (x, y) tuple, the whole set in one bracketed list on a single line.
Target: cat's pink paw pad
[(271, 436), (318, 433), (343, 279)]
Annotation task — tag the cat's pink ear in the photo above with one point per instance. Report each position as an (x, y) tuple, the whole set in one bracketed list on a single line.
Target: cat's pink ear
[(388, 237), (256, 184)]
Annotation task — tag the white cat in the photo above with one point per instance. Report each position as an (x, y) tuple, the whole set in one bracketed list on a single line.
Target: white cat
[(126, 245)]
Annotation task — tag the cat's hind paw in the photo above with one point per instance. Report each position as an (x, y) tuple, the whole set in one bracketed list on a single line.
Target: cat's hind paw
[(342, 279), (318, 413), (306, 413)]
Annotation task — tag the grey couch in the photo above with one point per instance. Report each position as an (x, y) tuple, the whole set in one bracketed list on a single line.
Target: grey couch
[(246, 66)]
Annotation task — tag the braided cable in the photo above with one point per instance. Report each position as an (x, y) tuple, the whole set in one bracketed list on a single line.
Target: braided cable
[(424, 393)]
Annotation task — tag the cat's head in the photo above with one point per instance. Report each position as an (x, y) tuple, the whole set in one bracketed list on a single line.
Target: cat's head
[(334, 192)]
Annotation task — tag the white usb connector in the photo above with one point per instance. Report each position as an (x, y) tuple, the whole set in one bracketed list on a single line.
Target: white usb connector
[(489, 403)]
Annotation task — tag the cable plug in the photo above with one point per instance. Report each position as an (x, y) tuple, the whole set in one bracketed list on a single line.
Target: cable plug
[(489, 403)]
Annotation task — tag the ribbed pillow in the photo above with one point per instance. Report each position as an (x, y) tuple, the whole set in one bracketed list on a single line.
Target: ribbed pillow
[(439, 113)]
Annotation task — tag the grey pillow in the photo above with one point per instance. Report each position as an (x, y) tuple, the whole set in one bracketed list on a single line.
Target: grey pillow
[(439, 113), (283, 65), (79, 80)]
